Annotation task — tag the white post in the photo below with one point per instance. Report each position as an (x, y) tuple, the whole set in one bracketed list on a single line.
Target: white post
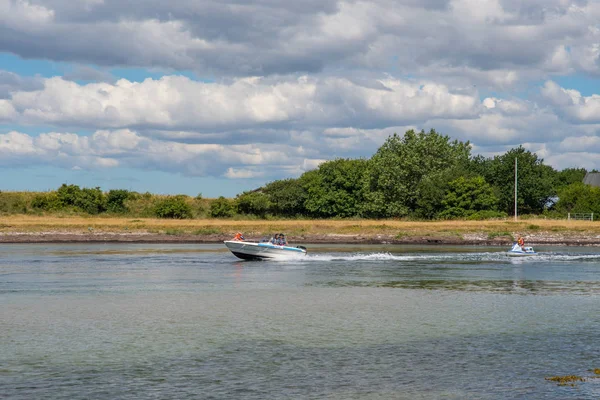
[(568, 216), (516, 188)]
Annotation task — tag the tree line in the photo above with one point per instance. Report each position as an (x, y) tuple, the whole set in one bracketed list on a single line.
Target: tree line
[(419, 175), (425, 175)]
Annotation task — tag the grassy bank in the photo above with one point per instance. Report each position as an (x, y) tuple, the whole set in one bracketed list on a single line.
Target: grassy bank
[(399, 230)]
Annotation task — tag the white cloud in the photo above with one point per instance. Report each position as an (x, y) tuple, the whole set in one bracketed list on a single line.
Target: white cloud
[(508, 107), (508, 123), (108, 149), (583, 109), (580, 144), (7, 111), (15, 143), (294, 84), (489, 38), (178, 103), (25, 16), (243, 173), (587, 160), (64, 150)]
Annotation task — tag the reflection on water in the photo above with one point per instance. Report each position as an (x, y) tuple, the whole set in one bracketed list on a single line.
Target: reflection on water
[(491, 286), (398, 322)]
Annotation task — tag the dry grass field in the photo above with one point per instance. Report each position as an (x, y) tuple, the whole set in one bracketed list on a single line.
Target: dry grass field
[(337, 229)]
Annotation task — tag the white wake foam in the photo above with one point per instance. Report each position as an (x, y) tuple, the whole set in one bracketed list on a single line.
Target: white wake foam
[(500, 256)]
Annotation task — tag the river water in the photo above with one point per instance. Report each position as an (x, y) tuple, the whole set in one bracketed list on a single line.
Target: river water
[(156, 321)]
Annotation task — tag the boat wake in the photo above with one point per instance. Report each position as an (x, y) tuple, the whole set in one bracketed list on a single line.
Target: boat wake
[(450, 257)]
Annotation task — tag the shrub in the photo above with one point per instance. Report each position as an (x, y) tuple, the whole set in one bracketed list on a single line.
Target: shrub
[(91, 201), (46, 201), (13, 203), (140, 205), (173, 207), (253, 203), (221, 208), (199, 207), (68, 194), (115, 200)]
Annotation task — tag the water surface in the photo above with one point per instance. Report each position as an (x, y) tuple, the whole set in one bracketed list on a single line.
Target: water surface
[(124, 321)]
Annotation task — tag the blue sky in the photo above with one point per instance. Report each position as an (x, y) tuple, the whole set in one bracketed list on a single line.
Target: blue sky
[(218, 97)]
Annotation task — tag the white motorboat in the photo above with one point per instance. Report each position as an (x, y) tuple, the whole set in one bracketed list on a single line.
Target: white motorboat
[(263, 250), (518, 251)]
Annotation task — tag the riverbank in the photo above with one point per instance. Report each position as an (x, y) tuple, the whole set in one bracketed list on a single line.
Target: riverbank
[(468, 239), (73, 229)]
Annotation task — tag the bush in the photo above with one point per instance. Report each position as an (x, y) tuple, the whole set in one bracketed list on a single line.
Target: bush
[(253, 203), (13, 203), (221, 208), (46, 201), (141, 205), (173, 207), (115, 200), (91, 201), (199, 207)]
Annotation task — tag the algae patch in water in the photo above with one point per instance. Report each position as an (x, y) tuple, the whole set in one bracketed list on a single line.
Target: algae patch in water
[(567, 380), (571, 380)]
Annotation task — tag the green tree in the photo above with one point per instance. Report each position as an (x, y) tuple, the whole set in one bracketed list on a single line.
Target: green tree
[(535, 181), (433, 189), (467, 196), (569, 176), (336, 190), (286, 197), (394, 174), (578, 198)]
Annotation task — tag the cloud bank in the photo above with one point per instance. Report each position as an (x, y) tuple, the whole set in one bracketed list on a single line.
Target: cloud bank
[(266, 89)]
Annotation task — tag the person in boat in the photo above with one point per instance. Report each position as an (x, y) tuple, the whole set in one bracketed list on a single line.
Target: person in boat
[(521, 242), (282, 240), (239, 236)]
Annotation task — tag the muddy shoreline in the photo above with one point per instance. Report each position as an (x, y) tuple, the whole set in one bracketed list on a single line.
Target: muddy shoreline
[(474, 238)]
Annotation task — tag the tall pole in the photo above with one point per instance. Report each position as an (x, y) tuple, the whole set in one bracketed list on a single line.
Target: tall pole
[(515, 188)]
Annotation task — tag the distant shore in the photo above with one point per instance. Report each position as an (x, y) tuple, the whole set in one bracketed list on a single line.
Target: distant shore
[(78, 229), (472, 239)]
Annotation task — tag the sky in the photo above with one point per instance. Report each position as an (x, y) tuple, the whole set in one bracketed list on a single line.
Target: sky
[(218, 97)]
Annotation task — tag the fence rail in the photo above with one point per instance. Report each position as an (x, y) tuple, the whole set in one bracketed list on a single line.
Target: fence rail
[(581, 216)]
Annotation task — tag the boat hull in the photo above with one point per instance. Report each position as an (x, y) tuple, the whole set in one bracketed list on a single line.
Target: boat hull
[(263, 251), (518, 251)]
